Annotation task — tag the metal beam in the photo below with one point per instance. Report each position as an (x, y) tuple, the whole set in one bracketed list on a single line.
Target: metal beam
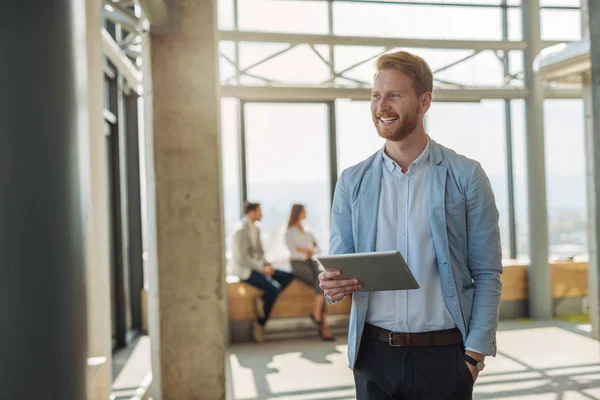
[(332, 40), (109, 116), (540, 292), (452, 64), (119, 15), (342, 72), (512, 226), (125, 66), (332, 136), (242, 155), (108, 71), (264, 60), (282, 93)]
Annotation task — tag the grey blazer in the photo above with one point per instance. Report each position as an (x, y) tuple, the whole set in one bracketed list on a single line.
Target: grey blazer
[(246, 258)]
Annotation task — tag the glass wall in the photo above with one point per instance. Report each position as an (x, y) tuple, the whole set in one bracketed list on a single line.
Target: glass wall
[(231, 170), (478, 129), (520, 178), (566, 178), (357, 138), (288, 162)]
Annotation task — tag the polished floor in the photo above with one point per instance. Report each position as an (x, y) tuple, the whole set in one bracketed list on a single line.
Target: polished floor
[(536, 361)]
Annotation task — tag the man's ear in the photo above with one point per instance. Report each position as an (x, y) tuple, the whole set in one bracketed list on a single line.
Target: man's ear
[(425, 101)]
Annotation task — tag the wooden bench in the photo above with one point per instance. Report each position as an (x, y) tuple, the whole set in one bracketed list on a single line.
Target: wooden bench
[(569, 287), (568, 280), (296, 300), (294, 304)]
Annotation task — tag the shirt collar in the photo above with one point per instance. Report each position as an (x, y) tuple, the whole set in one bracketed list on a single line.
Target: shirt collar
[(391, 165)]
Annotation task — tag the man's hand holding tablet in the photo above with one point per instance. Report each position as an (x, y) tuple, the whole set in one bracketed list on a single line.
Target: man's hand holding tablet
[(337, 288)]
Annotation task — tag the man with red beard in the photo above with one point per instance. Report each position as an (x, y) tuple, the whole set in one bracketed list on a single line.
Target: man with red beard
[(438, 210)]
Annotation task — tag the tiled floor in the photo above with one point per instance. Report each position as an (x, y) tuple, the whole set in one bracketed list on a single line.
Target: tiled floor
[(536, 361)]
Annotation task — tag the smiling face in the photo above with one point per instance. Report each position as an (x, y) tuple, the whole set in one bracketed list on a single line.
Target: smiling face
[(395, 107), (401, 95)]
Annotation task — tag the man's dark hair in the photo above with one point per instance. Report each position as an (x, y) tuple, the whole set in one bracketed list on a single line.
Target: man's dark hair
[(249, 206)]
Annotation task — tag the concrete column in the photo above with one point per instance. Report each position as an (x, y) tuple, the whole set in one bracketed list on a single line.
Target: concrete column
[(43, 109), (189, 218), (540, 292), (98, 266), (592, 121)]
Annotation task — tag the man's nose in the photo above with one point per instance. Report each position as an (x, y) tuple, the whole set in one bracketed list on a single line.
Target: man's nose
[(383, 106)]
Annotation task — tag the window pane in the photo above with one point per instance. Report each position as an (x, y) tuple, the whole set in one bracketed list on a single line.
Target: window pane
[(348, 56), (515, 24), (288, 162), (517, 108), (477, 131), (561, 24), (357, 138), (225, 14), (230, 165), (568, 3), (515, 63), (299, 65), (226, 60), (410, 21), (284, 16), (483, 69), (566, 177)]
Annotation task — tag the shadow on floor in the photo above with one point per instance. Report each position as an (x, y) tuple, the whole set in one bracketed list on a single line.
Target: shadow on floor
[(537, 360)]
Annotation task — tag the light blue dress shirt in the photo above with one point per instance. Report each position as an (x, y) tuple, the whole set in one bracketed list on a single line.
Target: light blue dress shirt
[(403, 225)]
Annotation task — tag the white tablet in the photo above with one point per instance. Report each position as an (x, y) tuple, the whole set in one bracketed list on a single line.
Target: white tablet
[(384, 270)]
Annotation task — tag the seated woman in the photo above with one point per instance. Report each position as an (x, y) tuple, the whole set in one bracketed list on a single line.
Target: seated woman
[(303, 246)]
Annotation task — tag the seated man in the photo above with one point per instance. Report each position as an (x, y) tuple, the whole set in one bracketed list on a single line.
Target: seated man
[(250, 265)]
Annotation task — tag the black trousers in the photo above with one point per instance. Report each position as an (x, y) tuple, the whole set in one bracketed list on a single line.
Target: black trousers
[(383, 372)]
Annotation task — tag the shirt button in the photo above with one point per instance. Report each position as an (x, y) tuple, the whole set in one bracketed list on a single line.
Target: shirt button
[(401, 294)]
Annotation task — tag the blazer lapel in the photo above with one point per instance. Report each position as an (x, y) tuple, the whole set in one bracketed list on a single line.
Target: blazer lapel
[(437, 196), (368, 205)]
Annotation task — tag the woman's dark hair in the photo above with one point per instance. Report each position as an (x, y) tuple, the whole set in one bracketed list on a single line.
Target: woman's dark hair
[(295, 214)]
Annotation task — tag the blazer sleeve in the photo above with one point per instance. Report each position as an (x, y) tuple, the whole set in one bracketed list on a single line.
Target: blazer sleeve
[(484, 261)]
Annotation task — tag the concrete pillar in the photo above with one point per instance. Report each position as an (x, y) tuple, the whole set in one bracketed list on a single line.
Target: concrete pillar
[(190, 270), (43, 109), (540, 291), (98, 266), (592, 120)]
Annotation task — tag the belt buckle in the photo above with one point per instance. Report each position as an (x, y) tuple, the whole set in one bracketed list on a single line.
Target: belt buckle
[(390, 341)]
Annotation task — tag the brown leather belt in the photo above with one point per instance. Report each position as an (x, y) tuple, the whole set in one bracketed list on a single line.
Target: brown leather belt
[(437, 338)]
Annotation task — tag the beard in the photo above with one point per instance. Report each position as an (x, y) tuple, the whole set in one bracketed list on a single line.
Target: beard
[(405, 126)]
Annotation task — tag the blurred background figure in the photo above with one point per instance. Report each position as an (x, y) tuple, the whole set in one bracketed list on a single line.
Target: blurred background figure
[(252, 267), (303, 246)]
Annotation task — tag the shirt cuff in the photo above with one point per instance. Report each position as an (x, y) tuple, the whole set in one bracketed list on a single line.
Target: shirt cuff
[(329, 301), (476, 351)]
